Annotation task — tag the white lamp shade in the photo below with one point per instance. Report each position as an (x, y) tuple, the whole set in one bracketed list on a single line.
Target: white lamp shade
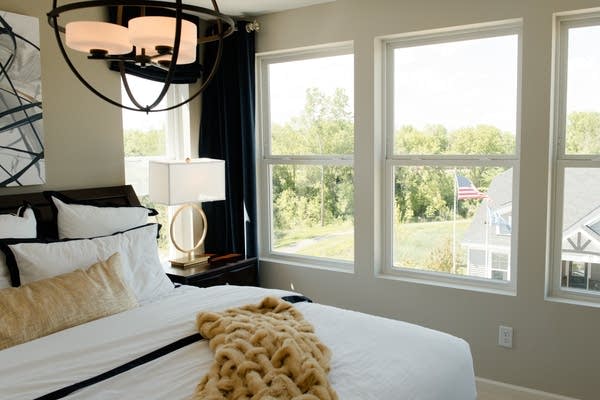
[(176, 182), (87, 35), (185, 56), (149, 32)]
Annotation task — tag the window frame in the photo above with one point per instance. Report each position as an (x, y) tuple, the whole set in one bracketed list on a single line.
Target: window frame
[(560, 161), (391, 160), (177, 146), (265, 160)]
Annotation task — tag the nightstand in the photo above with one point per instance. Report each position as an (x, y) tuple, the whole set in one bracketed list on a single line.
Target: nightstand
[(242, 272)]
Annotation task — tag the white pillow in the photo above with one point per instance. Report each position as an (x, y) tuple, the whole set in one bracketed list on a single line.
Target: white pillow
[(20, 226), (78, 221), (143, 271)]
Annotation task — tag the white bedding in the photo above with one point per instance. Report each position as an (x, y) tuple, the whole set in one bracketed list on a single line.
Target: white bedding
[(372, 358)]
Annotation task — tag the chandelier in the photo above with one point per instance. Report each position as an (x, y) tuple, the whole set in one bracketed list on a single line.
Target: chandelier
[(158, 41)]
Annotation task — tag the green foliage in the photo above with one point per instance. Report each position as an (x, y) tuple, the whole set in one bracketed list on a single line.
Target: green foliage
[(309, 196), (427, 193), (441, 258), (325, 127), (162, 219), (141, 143), (583, 133), (481, 139), (433, 140), (314, 195)]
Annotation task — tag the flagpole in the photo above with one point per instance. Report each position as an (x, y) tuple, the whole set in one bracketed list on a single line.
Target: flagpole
[(488, 220), (454, 225)]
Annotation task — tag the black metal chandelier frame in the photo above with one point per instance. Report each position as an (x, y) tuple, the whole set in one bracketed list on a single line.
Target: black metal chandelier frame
[(225, 27)]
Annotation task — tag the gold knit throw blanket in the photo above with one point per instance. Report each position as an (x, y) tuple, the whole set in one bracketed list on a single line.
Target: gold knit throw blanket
[(265, 351)]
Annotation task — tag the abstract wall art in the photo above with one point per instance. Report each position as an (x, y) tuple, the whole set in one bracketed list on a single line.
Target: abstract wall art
[(21, 128)]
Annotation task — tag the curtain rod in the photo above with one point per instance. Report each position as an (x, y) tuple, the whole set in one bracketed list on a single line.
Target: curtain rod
[(252, 26)]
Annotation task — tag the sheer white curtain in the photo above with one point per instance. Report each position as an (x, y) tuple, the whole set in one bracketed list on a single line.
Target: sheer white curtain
[(178, 148)]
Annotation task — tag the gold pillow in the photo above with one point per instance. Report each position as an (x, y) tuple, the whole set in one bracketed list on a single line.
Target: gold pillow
[(50, 305)]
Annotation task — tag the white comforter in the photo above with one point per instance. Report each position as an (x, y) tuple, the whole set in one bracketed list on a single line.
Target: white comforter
[(373, 358)]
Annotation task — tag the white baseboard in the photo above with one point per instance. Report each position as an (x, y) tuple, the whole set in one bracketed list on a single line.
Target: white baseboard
[(493, 390)]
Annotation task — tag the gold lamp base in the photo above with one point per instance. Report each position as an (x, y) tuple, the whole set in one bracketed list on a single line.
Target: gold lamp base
[(191, 260)]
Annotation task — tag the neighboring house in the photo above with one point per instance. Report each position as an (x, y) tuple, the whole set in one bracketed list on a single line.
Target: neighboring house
[(581, 229), (487, 240)]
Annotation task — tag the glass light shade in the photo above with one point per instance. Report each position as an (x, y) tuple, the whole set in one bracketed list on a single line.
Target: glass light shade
[(186, 56), (87, 35), (149, 32), (175, 182)]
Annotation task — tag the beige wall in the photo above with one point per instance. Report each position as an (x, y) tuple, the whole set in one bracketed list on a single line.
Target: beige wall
[(555, 345), (83, 135)]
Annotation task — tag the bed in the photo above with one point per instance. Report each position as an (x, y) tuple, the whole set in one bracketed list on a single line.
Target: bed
[(371, 357)]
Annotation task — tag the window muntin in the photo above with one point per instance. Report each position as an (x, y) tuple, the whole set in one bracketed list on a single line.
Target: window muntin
[(307, 131), (574, 244), (453, 125)]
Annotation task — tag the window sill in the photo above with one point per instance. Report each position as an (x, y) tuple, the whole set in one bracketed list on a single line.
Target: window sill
[(448, 281), (310, 262), (590, 300)]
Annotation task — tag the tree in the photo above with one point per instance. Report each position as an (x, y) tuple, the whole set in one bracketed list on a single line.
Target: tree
[(583, 133), (141, 143), (426, 193), (324, 127), (482, 139), (433, 140)]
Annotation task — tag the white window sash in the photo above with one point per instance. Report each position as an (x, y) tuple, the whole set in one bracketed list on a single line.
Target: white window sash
[(389, 44), (560, 161), (265, 159)]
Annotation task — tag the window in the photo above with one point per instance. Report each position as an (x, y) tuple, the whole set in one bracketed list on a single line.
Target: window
[(452, 155), (306, 101), (574, 242), (500, 266), (151, 136)]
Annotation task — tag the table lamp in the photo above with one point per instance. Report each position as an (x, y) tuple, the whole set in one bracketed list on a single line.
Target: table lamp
[(185, 183)]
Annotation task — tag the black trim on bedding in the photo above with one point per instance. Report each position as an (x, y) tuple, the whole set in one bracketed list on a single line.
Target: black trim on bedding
[(296, 299), (146, 358), (23, 208), (49, 194), (11, 262)]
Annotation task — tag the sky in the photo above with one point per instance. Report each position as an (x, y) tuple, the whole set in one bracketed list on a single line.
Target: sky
[(288, 82), (457, 84), (583, 93), (453, 84), (145, 91)]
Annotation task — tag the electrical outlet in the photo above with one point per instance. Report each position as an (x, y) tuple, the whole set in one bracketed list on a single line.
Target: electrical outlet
[(505, 336)]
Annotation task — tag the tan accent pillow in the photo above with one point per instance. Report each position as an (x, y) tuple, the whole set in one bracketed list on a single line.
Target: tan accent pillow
[(50, 305)]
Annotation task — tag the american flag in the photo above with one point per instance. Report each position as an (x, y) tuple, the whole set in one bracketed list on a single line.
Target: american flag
[(466, 189)]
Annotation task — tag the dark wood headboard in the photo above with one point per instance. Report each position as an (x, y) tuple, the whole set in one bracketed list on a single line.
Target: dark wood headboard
[(112, 195)]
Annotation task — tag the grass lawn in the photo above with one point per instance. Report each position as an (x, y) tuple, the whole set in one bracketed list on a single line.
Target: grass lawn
[(413, 242)]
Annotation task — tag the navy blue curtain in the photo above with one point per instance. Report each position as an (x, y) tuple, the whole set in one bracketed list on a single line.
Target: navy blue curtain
[(227, 133)]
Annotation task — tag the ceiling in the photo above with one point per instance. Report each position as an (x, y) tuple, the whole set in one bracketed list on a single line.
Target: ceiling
[(256, 7)]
